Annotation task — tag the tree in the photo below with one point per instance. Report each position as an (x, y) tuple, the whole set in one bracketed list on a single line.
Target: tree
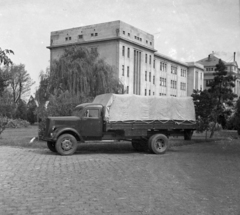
[(214, 104), (204, 105), (237, 116), (4, 77), (31, 111), (21, 110), (19, 81), (4, 59), (42, 94), (222, 94), (6, 105), (82, 73)]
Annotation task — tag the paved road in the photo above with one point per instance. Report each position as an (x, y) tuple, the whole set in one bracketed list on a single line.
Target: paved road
[(113, 179)]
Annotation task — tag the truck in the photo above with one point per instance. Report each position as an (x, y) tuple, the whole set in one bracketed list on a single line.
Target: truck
[(147, 122)]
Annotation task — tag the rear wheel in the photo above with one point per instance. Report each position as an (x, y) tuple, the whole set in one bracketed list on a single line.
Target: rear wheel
[(51, 146), (66, 144), (158, 144)]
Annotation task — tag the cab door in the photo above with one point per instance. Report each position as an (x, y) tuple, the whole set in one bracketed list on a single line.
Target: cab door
[(91, 124)]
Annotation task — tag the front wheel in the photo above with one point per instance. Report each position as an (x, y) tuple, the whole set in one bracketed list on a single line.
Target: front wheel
[(158, 144), (66, 144), (51, 146)]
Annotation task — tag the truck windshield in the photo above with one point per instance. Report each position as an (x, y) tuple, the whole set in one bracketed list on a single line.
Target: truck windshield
[(77, 111)]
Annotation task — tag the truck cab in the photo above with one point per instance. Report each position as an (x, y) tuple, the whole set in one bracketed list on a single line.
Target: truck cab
[(86, 123), (90, 124)]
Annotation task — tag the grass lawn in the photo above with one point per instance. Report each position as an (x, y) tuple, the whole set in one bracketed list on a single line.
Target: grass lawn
[(21, 137)]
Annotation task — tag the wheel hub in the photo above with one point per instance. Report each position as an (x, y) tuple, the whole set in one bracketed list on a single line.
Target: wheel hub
[(66, 144), (159, 144)]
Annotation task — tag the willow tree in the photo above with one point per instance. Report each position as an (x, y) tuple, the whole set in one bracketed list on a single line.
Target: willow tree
[(83, 74)]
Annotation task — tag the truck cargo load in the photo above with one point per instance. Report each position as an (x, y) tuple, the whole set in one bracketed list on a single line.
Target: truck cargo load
[(124, 107)]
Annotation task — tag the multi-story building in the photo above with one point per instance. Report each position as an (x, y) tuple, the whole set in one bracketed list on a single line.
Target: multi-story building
[(140, 68), (210, 63)]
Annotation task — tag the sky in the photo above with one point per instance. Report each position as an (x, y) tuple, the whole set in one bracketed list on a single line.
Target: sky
[(186, 30)]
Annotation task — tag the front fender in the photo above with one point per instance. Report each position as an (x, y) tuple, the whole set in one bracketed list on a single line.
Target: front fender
[(72, 131)]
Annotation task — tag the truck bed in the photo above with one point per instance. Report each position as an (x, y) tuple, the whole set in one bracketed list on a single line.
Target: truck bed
[(134, 128)]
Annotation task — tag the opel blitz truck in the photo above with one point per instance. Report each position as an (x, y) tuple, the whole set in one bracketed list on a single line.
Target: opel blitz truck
[(145, 121)]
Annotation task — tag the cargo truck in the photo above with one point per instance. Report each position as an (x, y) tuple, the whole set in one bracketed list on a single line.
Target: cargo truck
[(145, 121)]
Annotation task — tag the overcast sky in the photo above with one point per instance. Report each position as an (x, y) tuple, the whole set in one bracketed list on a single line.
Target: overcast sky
[(187, 30)]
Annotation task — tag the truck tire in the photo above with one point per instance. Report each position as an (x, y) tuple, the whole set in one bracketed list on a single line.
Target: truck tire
[(158, 144), (51, 146), (139, 145), (66, 144), (188, 134)]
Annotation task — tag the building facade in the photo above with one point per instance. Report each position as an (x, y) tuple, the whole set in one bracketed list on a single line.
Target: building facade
[(210, 63), (140, 68)]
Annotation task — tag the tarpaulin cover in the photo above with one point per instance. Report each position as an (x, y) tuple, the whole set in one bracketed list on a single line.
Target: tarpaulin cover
[(133, 107)]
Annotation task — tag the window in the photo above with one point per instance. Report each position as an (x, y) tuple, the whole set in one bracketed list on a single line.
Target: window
[(174, 70), (145, 58), (128, 52), (149, 76), (145, 92), (183, 86), (162, 94), (149, 92), (208, 82), (150, 43), (154, 63), (173, 84), (210, 69), (122, 70), (163, 82), (80, 36), (146, 41), (154, 79), (141, 39), (128, 71), (70, 38), (145, 75), (123, 50), (96, 34), (153, 93), (129, 34), (183, 72), (123, 32), (66, 38), (150, 59), (91, 113), (127, 89), (163, 66), (92, 34)]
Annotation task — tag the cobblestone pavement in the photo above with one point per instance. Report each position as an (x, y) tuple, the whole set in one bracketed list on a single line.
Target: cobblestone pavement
[(108, 178)]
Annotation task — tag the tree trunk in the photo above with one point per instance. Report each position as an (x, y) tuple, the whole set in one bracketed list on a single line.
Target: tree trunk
[(213, 128)]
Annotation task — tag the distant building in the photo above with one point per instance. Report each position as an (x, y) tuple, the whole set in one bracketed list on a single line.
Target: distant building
[(140, 68), (210, 63)]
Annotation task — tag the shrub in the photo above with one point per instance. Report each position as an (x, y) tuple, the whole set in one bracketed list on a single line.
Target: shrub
[(17, 123)]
